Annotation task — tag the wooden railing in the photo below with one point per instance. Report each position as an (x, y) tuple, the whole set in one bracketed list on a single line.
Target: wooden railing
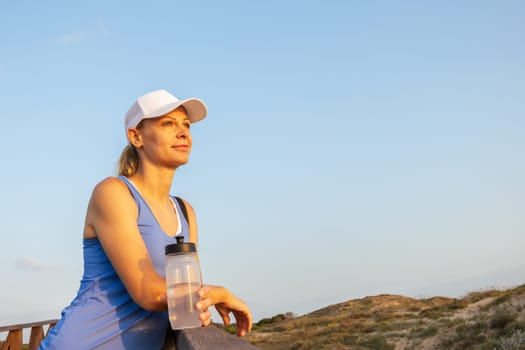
[(15, 334), (209, 338), (202, 338)]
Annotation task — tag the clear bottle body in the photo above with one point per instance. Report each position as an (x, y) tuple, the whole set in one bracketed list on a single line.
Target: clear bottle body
[(183, 280)]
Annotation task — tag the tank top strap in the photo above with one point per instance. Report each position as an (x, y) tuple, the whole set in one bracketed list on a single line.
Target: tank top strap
[(134, 192), (185, 226)]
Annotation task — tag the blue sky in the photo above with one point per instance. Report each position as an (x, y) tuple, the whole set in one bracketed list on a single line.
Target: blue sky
[(351, 148)]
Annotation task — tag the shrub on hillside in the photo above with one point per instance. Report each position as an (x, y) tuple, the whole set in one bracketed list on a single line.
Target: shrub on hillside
[(376, 342), (515, 341), (502, 318)]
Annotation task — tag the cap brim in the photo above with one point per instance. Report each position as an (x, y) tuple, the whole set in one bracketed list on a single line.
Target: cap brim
[(195, 109)]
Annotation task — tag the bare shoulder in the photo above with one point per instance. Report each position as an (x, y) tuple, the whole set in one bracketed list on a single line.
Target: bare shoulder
[(110, 187), (110, 183), (111, 192), (110, 201)]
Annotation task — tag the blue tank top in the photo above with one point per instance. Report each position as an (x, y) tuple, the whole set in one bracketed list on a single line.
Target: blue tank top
[(103, 315)]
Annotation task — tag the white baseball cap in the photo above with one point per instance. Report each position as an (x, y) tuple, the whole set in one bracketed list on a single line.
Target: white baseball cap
[(160, 102)]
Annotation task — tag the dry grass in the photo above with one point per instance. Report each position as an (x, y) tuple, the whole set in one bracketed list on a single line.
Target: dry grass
[(480, 320)]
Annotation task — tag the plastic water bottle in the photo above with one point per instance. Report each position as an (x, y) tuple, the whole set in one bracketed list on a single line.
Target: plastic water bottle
[(183, 280)]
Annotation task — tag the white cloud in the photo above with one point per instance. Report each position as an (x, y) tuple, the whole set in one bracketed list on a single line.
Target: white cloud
[(30, 264), (72, 38), (99, 29)]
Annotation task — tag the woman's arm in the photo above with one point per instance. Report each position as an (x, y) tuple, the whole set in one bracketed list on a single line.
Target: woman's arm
[(112, 217)]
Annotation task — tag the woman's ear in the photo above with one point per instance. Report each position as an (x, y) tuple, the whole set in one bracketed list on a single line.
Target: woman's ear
[(134, 137)]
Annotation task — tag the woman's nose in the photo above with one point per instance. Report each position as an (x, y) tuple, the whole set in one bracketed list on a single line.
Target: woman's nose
[(183, 132)]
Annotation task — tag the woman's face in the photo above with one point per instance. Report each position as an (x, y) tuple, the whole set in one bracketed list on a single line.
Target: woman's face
[(166, 141)]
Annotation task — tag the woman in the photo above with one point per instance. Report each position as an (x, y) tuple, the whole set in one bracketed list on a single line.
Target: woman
[(121, 303)]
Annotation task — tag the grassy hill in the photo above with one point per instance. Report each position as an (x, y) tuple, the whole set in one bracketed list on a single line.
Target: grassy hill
[(492, 319)]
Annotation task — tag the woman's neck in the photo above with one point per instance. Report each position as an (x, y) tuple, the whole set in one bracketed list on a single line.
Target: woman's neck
[(154, 184)]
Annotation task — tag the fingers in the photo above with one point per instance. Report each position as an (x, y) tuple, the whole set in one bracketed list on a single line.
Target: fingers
[(205, 315), (205, 318), (224, 312), (203, 304), (241, 324), (248, 319), (203, 291), (243, 320)]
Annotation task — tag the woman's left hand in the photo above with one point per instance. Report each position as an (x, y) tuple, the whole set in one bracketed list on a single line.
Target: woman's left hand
[(225, 302)]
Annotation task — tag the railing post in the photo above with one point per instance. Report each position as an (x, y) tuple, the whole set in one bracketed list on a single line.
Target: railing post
[(37, 334), (13, 341)]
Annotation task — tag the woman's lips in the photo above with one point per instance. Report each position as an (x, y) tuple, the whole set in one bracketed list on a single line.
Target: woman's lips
[(181, 147)]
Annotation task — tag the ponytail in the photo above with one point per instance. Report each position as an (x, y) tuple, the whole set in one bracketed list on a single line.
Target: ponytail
[(129, 161)]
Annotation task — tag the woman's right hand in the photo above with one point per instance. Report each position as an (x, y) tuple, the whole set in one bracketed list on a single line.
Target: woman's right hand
[(225, 302)]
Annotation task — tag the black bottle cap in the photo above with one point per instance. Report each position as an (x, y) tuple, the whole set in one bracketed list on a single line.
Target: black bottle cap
[(180, 247)]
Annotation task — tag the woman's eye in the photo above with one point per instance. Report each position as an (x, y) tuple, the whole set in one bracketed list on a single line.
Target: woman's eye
[(167, 123)]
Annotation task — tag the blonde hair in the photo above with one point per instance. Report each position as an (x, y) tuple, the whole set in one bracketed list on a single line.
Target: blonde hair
[(129, 161)]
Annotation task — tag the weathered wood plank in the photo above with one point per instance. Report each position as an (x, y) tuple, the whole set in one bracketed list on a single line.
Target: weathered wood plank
[(210, 338), (27, 325)]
